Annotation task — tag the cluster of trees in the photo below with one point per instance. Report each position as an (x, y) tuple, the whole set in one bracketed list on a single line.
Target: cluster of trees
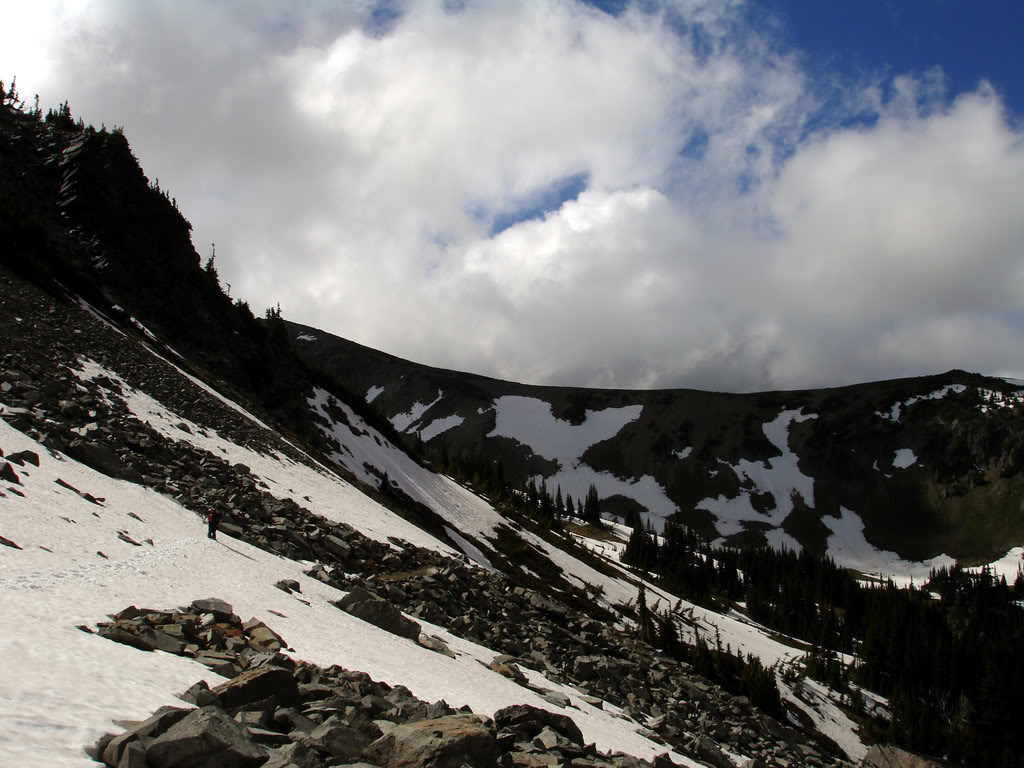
[(740, 676), (947, 654)]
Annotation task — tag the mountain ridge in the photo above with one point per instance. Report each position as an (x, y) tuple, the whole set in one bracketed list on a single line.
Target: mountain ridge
[(683, 438), (139, 418)]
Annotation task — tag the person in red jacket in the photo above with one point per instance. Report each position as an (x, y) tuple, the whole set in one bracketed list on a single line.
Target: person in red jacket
[(212, 521)]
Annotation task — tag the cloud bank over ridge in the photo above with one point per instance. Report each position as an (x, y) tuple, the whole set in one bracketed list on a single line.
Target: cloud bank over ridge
[(550, 193)]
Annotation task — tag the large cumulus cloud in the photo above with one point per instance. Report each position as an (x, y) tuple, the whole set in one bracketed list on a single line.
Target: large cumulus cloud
[(740, 223)]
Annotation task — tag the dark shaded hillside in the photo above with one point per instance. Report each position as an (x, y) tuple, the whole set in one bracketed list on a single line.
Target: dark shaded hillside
[(962, 495), (80, 218)]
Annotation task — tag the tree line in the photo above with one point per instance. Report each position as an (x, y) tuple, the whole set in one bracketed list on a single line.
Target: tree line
[(947, 653)]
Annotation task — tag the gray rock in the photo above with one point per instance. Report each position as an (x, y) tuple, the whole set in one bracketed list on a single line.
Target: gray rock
[(337, 547), (103, 459), (262, 637), (214, 605), (206, 738), (379, 612), (530, 721), (150, 728), (444, 742), (258, 684), (340, 739), (294, 755), (22, 457)]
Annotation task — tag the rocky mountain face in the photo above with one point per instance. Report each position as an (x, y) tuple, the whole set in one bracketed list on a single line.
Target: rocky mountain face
[(565, 636), (930, 465), (109, 323)]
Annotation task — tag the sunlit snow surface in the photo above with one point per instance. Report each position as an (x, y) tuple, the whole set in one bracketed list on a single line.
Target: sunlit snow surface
[(779, 475), (847, 546), (404, 421), (530, 421), (69, 685)]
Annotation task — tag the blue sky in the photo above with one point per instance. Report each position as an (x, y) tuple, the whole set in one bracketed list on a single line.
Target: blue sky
[(705, 193), (970, 41)]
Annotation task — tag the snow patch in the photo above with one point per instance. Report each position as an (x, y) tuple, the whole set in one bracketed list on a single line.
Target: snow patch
[(471, 551), (683, 452), (530, 421), (437, 426), (373, 393), (893, 414), (305, 337), (779, 475), (847, 545), (403, 421), (904, 458)]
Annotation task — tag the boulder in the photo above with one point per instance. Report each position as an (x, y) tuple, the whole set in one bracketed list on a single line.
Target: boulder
[(7, 473), (288, 585), (149, 729), (444, 742), (103, 459), (337, 738), (530, 721), (22, 457), (337, 547), (219, 608), (379, 612), (258, 684), (262, 637), (206, 738)]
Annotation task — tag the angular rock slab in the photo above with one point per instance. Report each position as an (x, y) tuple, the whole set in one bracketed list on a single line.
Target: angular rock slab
[(258, 684), (379, 612), (444, 742), (206, 738)]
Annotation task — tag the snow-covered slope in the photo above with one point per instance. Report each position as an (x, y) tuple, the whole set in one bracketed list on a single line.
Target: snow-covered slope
[(63, 687)]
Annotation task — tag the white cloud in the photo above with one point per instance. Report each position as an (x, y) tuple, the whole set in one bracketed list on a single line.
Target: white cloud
[(350, 177)]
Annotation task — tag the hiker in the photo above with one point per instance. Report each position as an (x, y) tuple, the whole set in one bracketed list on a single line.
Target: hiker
[(212, 521)]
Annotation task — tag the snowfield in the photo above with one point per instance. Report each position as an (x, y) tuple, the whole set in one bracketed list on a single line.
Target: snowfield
[(780, 475), (530, 421), (88, 545), (71, 685)]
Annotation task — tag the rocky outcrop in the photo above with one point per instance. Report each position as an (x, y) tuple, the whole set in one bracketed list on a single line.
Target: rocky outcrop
[(276, 711), (379, 612)]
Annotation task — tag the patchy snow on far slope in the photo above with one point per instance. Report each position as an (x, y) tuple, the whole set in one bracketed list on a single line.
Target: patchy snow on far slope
[(437, 426), (683, 453), (403, 421), (894, 413), (530, 421), (904, 458), (779, 475), (994, 400), (64, 687), (373, 393), (847, 546), (368, 455), (305, 337)]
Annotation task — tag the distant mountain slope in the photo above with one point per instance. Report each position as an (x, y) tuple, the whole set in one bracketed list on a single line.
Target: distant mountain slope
[(873, 474)]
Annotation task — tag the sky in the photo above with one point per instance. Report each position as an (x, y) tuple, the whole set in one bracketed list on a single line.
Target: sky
[(659, 193)]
